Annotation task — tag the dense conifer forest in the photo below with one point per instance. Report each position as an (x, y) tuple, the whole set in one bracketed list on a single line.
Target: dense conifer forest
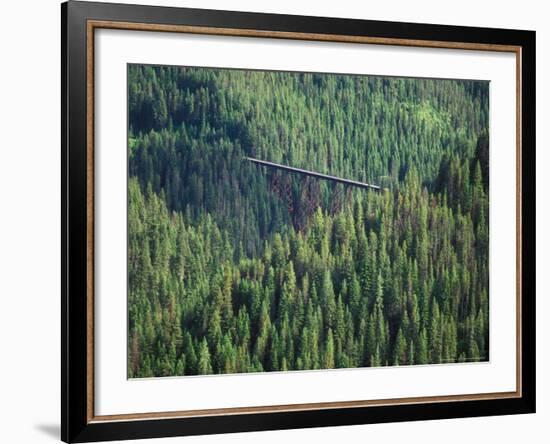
[(235, 267)]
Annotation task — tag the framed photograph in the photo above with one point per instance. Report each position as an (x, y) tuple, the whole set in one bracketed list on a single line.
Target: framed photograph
[(276, 221)]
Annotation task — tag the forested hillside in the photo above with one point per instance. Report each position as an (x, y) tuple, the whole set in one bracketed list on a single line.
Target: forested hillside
[(236, 268)]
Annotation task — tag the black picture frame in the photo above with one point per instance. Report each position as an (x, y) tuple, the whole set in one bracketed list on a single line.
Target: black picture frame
[(76, 424)]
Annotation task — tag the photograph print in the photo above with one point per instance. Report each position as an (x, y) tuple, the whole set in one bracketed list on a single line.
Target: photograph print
[(284, 221)]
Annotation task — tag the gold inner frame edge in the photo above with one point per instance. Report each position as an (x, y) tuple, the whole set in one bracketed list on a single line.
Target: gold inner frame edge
[(92, 25)]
